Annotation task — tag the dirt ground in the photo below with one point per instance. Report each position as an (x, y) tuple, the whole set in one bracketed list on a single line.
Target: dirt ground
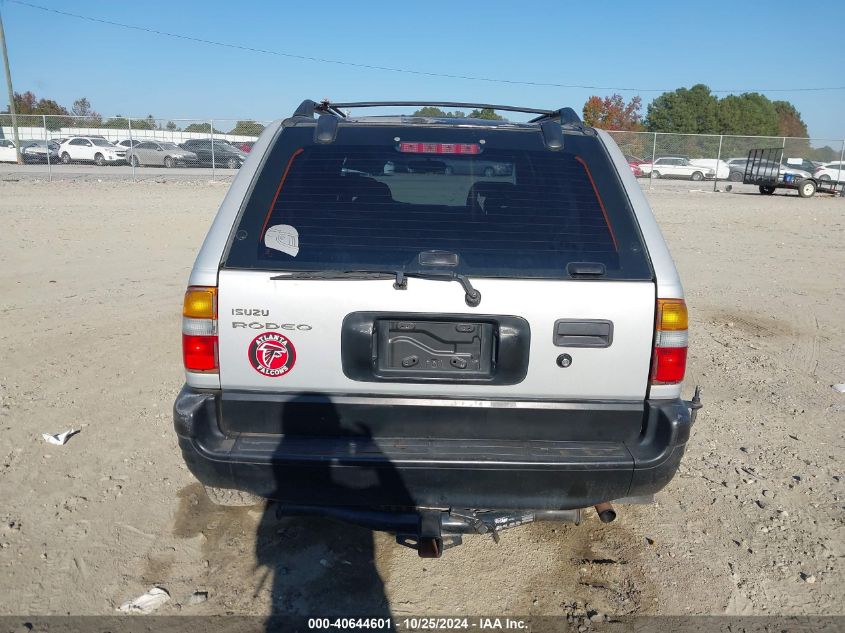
[(91, 282)]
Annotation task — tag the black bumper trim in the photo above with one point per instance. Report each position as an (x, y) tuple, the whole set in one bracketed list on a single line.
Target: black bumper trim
[(371, 470)]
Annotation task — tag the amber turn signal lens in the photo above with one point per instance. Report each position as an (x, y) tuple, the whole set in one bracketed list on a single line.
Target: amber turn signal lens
[(671, 314), (200, 303)]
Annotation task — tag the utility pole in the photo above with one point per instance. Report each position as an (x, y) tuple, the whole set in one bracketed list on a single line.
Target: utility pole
[(11, 92)]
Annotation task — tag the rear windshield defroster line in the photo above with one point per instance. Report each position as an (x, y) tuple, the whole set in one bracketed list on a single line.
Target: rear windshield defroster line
[(515, 210)]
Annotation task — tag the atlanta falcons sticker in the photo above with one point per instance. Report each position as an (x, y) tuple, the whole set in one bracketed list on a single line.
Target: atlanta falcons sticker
[(272, 354)]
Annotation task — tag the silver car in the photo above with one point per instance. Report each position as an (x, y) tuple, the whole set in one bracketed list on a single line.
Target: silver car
[(159, 153)]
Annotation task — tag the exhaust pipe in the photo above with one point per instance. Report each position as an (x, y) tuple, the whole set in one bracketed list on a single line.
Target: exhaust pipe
[(606, 512)]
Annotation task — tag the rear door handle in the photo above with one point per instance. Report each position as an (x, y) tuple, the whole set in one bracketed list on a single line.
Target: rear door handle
[(583, 333)]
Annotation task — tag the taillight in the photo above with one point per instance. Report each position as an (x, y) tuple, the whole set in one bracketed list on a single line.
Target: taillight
[(439, 148), (669, 361), (199, 329)]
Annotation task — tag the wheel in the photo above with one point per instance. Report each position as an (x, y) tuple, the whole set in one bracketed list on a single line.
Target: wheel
[(697, 175), (168, 162), (65, 158), (99, 159), (488, 171), (134, 161), (766, 190), (229, 497), (807, 189), (655, 174), (824, 177), (232, 163), (736, 176)]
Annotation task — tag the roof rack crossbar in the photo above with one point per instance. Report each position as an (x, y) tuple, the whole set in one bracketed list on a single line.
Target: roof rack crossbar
[(444, 104), (565, 115)]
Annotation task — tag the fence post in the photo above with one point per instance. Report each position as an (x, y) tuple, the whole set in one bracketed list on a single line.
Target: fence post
[(47, 147), (213, 161), (718, 158), (132, 154), (653, 155)]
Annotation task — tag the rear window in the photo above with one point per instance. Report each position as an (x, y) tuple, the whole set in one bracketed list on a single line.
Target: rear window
[(378, 197)]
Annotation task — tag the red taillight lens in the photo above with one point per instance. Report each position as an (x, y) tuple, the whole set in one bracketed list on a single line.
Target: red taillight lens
[(199, 352), (669, 366), (669, 361)]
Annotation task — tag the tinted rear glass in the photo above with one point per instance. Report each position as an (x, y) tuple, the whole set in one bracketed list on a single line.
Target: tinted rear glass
[(511, 209)]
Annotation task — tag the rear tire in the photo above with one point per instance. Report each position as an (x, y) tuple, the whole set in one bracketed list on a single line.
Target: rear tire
[(99, 160), (134, 161), (65, 158), (232, 163), (655, 174), (231, 498), (168, 162), (735, 176), (807, 189), (697, 175), (824, 177), (766, 191)]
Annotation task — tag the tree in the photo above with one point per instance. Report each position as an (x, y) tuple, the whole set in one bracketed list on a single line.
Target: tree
[(247, 128), (612, 113), (87, 116), (118, 122), (687, 111), (171, 126), (749, 114), (29, 110), (437, 113), (789, 120), (486, 113), (201, 127)]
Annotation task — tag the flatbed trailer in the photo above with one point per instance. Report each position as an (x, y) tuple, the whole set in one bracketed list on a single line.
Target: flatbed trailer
[(765, 169)]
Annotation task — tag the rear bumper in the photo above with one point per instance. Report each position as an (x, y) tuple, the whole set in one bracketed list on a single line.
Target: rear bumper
[(574, 455)]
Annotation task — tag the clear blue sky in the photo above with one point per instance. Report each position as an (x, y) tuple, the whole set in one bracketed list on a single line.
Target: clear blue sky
[(664, 45)]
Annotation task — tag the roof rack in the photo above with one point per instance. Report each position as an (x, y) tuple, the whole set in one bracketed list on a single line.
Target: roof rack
[(309, 108)]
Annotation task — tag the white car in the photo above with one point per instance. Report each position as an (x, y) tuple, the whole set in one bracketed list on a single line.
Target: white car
[(7, 151), (720, 167), (676, 167), (91, 149), (831, 171)]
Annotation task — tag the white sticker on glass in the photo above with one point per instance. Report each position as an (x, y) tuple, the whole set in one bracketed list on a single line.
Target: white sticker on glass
[(283, 237)]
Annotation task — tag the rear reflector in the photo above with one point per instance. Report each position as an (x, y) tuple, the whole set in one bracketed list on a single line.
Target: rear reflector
[(671, 338), (199, 352), (199, 329), (440, 148)]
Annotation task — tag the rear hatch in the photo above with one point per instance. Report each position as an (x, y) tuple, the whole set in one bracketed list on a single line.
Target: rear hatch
[(353, 266)]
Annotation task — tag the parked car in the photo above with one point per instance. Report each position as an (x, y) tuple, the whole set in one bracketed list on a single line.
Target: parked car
[(800, 163), (676, 167), (38, 151), (7, 151), (634, 160), (91, 149), (635, 169), (489, 169), (128, 143), (719, 167), (244, 146), (461, 357), (737, 168), (224, 154), (160, 153), (831, 171)]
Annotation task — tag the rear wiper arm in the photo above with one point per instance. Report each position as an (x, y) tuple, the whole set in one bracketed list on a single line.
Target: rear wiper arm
[(472, 296)]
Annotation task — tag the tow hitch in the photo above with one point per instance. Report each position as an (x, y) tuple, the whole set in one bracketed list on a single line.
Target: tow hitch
[(440, 530)]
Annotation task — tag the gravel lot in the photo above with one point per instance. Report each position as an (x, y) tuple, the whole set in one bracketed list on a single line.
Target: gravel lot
[(91, 280)]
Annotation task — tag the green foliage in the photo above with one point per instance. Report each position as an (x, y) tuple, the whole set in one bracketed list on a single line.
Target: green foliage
[(88, 117), (247, 128), (437, 113), (122, 123), (201, 127), (687, 111), (29, 109), (749, 113), (171, 126), (486, 113)]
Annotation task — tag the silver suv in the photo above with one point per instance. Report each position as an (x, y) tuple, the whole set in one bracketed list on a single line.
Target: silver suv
[(371, 337)]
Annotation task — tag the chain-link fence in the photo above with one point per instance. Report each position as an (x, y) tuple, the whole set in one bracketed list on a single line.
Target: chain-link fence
[(68, 147), (721, 157)]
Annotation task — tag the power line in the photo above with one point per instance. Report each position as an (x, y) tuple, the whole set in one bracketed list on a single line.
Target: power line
[(409, 71)]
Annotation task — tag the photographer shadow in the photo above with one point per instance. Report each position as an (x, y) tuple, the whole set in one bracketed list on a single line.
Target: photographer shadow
[(321, 567)]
